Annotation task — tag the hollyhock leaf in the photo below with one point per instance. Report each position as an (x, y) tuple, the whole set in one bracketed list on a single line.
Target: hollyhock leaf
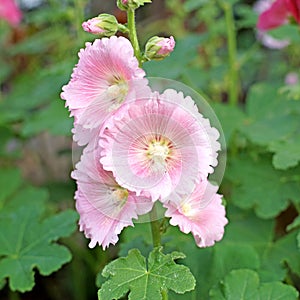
[(238, 284), (227, 257), (145, 280), (286, 152), (245, 284), (287, 31), (282, 253), (26, 241), (295, 224), (243, 228), (271, 117), (10, 180), (53, 118), (277, 291), (257, 177), (231, 118), (248, 17), (241, 247)]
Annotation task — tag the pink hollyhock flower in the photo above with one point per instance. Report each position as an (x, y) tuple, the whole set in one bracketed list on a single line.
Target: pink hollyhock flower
[(160, 145), (10, 12), (278, 14), (104, 207), (106, 75), (201, 213)]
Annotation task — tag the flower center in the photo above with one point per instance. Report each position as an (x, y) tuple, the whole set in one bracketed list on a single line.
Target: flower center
[(158, 152), (186, 208), (120, 195), (117, 93)]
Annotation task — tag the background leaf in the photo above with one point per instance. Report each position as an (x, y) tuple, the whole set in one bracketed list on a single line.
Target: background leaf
[(26, 241), (244, 284)]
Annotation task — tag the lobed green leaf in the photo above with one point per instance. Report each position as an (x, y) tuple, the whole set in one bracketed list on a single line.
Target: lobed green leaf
[(145, 279)]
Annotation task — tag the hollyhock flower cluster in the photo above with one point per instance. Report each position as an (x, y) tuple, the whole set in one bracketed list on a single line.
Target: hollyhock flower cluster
[(141, 146), (279, 14), (10, 12)]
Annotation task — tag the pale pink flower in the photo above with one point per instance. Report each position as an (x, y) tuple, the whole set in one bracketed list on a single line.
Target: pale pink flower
[(10, 12), (106, 75), (104, 207), (201, 213), (160, 145)]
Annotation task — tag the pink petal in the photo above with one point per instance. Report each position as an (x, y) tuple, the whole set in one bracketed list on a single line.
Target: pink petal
[(274, 17), (10, 12), (294, 8)]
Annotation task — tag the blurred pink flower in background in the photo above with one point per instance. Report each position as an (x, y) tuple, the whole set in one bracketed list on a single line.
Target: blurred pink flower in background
[(291, 78), (105, 208), (266, 39), (278, 14), (10, 12), (201, 213)]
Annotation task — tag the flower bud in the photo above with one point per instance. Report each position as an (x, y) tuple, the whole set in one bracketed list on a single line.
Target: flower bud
[(103, 25), (131, 4), (158, 47)]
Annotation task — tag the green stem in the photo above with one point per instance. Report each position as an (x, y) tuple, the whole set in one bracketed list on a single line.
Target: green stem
[(123, 28), (155, 228), (133, 35), (14, 295), (79, 17), (164, 294), (232, 53)]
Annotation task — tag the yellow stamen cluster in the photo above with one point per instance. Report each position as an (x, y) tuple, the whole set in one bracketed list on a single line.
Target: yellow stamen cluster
[(158, 152), (120, 194)]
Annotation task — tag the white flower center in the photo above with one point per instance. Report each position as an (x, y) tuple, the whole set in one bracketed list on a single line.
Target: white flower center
[(119, 195), (117, 93), (187, 209), (158, 152)]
